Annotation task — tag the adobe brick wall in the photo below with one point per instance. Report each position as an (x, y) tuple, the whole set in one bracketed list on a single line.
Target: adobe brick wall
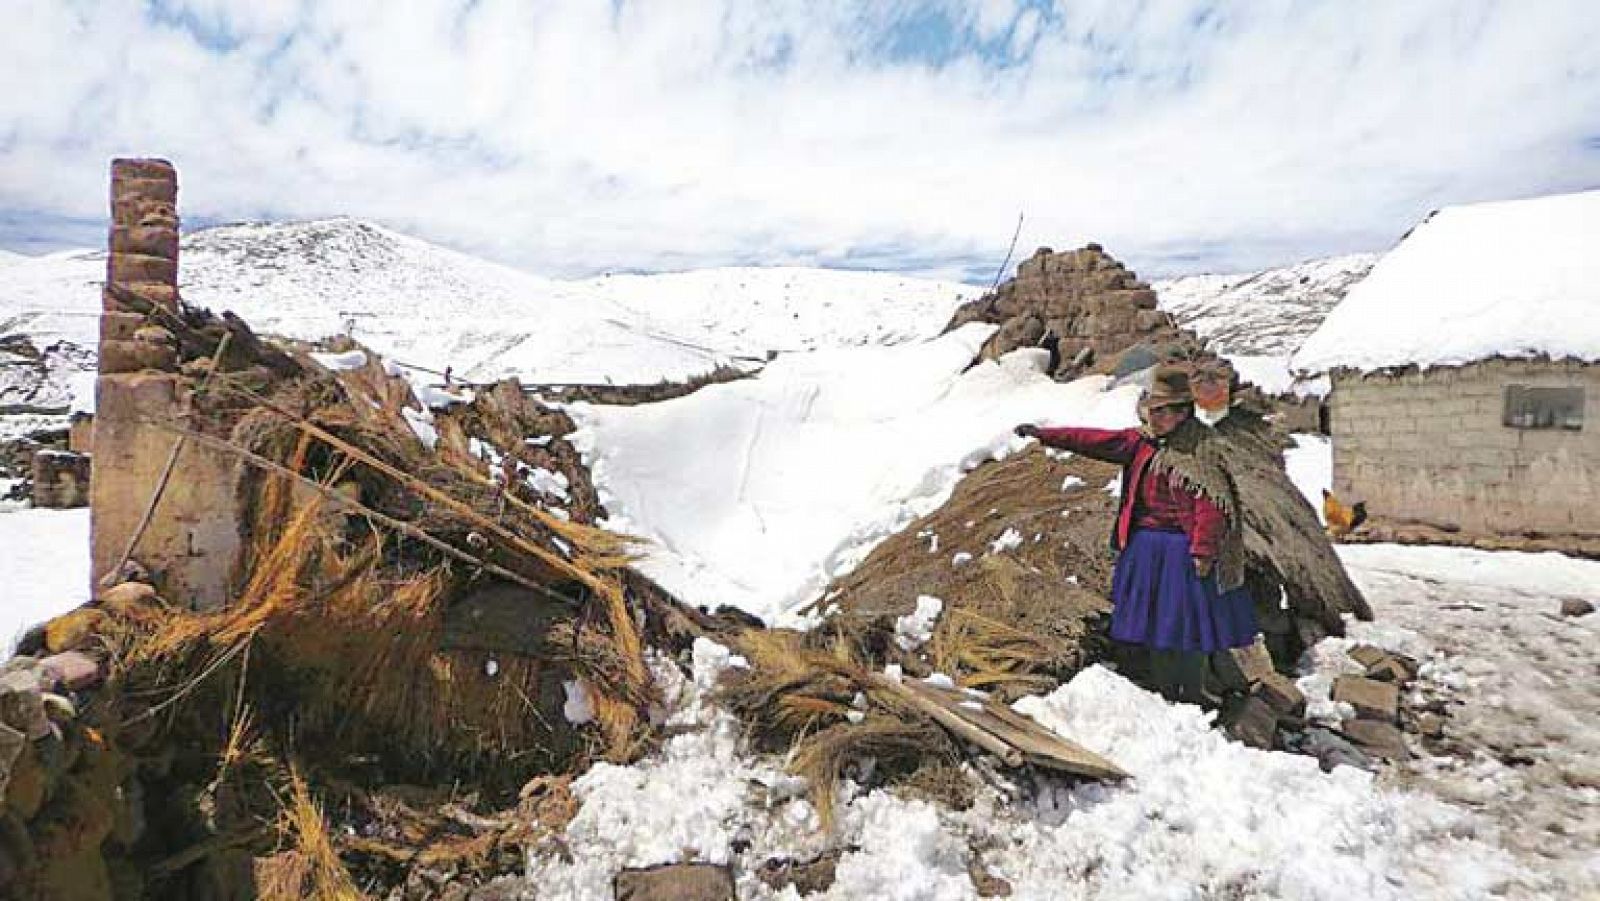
[(1429, 447), (192, 542)]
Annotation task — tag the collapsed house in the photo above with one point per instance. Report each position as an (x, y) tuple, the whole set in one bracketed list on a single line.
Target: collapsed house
[(319, 582), (1466, 386)]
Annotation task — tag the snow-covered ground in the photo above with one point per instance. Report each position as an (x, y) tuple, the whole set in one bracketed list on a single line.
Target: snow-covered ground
[(46, 558), (756, 493), (1203, 817), (1525, 730)]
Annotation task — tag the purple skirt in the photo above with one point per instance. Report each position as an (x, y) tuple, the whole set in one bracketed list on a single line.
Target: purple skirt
[(1159, 601)]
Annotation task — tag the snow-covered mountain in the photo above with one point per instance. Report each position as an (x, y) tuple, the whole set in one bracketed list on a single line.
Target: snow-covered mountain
[(744, 309), (432, 307), (1267, 313)]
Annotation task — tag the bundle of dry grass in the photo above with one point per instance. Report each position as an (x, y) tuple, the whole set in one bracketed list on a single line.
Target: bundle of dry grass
[(369, 534), (825, 710), (1014, 621)]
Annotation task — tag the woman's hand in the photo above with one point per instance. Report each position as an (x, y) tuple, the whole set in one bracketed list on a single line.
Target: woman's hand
[(1026, 430), (1202, 566)]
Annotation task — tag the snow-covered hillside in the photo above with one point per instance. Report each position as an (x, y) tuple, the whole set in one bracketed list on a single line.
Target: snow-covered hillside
[(1267, 313), (433, 307), (743, 310)]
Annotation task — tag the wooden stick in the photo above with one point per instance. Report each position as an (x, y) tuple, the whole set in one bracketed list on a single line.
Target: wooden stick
[(356, 506), (108, 578), (554, 561), (952, 721)]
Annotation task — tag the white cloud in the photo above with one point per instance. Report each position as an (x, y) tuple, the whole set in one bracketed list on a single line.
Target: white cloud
[(575, 137)]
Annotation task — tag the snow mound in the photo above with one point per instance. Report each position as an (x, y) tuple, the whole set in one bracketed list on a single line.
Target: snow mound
[(1207, 817), (1516, 278), (756, 493)]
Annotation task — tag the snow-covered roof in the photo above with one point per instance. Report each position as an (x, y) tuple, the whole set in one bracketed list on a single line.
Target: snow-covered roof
[(1516, 278)]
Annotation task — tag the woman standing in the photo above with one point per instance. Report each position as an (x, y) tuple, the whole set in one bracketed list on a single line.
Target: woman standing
[(1181, 557)]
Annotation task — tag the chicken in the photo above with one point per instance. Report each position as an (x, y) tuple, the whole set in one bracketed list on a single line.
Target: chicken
[(1341, 519)]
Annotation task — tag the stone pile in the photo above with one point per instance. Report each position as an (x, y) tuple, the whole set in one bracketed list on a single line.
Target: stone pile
[(1375, 697), (1265, 703), (1083, 305), (72, 809), (1271, 711)]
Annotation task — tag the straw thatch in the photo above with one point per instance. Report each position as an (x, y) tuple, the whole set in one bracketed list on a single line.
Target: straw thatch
[(368, 548)]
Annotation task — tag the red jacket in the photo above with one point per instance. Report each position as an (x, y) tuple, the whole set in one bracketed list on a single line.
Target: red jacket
[(1147, 503)]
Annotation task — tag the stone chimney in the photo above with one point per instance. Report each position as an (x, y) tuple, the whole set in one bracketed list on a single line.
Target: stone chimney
[(191, 539)]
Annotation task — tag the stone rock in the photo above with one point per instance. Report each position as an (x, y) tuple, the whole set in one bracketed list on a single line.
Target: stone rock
[(1254, 663), (12, 742), (74, 820), (141, 267), (1430, 725), (508, 888), (21, 662), (985, 883), (1332, 750), (676, 882), (72, 630), (1372, 700), (1576, 607), (1377, 739), (1382, 665), (73, 670), (1367, 655), (60, 479), (136, 601), (25, 792), (134, 356), (16, 845), (1391, 669), (156, 241), (154, 334), (22, 706), (808, 877), (1254, 723), (1282, 695), (155, 293)]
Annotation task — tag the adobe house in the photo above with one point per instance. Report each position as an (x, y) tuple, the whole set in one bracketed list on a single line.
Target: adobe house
[(1466, 378)]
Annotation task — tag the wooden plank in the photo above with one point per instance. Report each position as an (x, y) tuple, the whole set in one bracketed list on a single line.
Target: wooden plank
[(1037, 744), (944, 716)]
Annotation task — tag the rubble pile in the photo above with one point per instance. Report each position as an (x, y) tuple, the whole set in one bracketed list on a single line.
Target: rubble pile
[(1083, 305)]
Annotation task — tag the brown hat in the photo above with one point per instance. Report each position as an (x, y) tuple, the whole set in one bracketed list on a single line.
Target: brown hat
[(1168, 385), (1216, 367)]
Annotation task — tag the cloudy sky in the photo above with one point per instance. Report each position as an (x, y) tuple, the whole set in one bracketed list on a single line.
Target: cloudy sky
[(570, 138)]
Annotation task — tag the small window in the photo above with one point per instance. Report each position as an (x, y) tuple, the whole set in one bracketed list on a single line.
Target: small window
[(1544, 408)]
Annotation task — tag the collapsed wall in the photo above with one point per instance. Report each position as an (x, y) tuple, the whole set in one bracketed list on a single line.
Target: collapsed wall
[(1083, 305), (192, 545)]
